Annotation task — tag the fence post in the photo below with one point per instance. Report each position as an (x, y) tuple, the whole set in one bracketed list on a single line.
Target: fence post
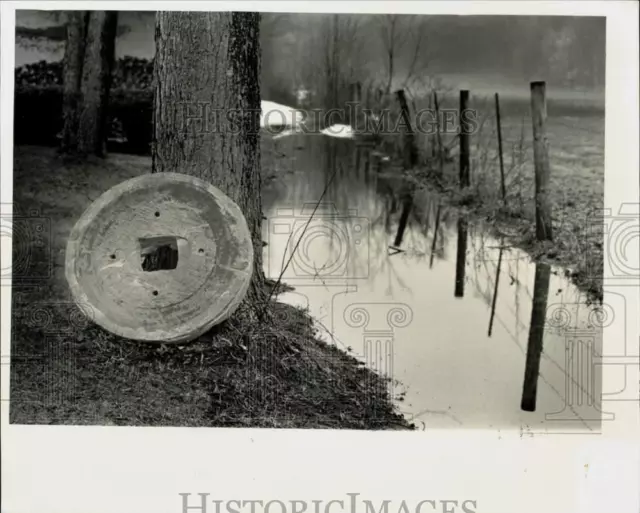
[(355, 98), (541, 160), (502, 187), (431, 138), (410, 152), (464, 140), (438, 136)]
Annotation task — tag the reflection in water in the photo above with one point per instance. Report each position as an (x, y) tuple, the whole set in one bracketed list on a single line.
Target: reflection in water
[(461, 257), (536, 336), (407, 204), (495, 290), (436, 229), (452, 370)]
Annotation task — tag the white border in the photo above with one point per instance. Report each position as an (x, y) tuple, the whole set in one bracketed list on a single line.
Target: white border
[(93, 470)]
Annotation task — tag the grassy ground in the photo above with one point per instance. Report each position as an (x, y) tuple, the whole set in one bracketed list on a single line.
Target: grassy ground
[(66, 370), (577, 244)]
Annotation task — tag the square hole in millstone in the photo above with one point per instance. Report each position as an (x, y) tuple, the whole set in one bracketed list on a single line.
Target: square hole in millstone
[(159, 253)]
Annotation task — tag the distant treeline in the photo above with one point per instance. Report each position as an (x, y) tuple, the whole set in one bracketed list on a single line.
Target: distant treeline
[(564, 50), (38, 105)]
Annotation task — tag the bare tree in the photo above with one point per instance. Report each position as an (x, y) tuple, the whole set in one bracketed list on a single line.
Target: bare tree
[(278, 48), (341, 44), (402, 36), (207, 109)]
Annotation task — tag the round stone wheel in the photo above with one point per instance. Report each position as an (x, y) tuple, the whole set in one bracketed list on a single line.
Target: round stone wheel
[(150, 215)]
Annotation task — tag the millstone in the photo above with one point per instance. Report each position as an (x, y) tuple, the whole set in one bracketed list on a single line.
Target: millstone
[(160, 258)]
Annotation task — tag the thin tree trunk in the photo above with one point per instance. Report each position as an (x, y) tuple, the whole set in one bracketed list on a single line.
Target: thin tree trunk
[(72, 70), (335, 64), (96, 81), (391, 42), (327, 31), (390, 78), (207, 110)]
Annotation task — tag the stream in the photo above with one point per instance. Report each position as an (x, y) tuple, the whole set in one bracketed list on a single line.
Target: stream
[(410, 289)]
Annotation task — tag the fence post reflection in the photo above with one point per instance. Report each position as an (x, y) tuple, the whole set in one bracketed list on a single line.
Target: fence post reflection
[(404, 217), (536, 335), (461, 257), (435, 237), (495, 290)]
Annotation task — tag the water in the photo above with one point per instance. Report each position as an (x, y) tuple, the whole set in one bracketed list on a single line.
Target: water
[(421, 315)]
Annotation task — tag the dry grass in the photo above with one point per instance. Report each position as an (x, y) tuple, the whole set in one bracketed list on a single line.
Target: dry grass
[(66, 370), (244, 374)]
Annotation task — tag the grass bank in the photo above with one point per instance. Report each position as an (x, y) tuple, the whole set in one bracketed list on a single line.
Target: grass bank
[(575, 135), (576, 199), (577, 244), (66, 370)]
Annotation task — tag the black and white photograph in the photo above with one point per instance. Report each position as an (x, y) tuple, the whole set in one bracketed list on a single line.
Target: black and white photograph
[(319, 257), (346, 221)]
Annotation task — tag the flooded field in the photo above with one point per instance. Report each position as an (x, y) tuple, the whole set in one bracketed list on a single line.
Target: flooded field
[(427, 298)]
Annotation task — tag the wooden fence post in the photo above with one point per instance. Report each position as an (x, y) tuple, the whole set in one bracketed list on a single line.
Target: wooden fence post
[(410, 152), (464, 141), (502, 187), (431, 138), (355, 98), (541, 160), (438, 135)]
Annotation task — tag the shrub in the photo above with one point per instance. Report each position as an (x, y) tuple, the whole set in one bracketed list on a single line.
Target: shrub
[(38, 118), (37, 115), (38, 104)]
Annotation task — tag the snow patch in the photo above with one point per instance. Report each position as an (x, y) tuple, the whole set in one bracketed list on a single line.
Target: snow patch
[(275, 114)]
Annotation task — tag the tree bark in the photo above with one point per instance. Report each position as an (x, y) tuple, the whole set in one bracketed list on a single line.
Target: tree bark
[(72, 75), (207, 110), (96, 81)]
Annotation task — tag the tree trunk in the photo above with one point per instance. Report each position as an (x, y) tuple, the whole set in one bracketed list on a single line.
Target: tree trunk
[(96, 81), (207, 110), (391, 42), (333, 73), (390, 67), (72, 70)]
